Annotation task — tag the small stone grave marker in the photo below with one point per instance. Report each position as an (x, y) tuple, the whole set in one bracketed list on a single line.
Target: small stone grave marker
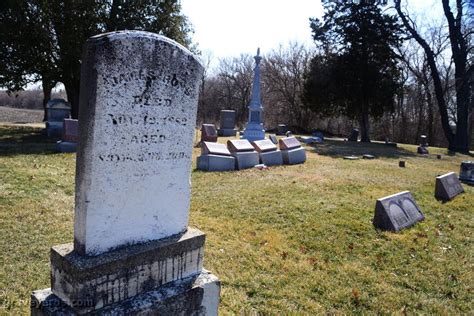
[(208, 133), (71, 131), (367, 156), (214, 149), (401, 163), (447, 186), (467, 172), (396, 212), (273, 138), (239, 145), (351, 158), (264, 145), (287, 143)]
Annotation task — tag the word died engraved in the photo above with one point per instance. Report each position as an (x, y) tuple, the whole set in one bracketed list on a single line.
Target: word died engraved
[(146, 100)]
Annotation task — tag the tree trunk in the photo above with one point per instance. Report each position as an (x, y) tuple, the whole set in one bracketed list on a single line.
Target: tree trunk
[(47, 87), (364, 128), (72, 91)]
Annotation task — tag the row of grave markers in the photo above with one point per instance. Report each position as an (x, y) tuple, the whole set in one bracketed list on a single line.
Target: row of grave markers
[(242, 154)]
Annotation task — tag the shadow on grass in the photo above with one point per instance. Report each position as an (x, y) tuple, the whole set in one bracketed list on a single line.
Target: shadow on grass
[(339, 149), (24, 140)]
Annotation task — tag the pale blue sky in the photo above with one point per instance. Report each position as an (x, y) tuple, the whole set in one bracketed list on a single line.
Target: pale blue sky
[(231, 27)]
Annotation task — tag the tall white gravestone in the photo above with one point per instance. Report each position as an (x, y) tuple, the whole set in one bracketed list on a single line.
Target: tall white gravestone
[(138, 107)]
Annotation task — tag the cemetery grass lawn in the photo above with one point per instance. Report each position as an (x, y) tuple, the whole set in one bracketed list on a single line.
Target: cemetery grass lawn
[(292, 239)]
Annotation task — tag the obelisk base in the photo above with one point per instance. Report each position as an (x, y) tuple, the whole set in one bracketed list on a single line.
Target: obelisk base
[(195, 295)]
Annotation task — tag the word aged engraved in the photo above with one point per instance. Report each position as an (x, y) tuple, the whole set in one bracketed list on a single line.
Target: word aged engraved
[(148, 139)]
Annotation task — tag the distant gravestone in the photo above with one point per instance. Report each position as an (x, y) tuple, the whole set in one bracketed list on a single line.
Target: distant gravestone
[(244, 153), (269, 155), (208, 133), (396, 212), (273, 138), (239, 145), (133, 252), (352, 157), (401, 164), (292, 151), (466, 173), (368, 156), (423, 141), (289, 143), (447, 186), (422, 150), (354, 135), (282, 129), (56, 111), (215, 157), (214, 149), (70, 137), (227, 123), (264, 145)]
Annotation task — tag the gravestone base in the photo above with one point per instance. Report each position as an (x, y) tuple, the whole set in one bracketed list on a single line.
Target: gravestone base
[(271, 158), (66, 147), (194, 295), (54, 129), (215, 163), (226, 132), (89, 283), (245, 160), (294, 156)]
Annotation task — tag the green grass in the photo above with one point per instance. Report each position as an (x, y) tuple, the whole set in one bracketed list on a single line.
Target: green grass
[(290, 239)]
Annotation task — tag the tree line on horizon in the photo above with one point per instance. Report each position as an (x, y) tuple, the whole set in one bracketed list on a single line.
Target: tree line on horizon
[(372, 67)]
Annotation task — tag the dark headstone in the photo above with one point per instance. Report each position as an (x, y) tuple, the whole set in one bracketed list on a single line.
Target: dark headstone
[(396, 212), (447, 186), (467, 172), (438, 156), (401, 163), (227, 123), (57, 110), (354, 135), (70, 131), (289, 143), (288, 134), (273, 138), (214, 149), (239, 145), (423, 141), (318, 134), (208, 133), (264, 145), (422, 150), (282, 129)]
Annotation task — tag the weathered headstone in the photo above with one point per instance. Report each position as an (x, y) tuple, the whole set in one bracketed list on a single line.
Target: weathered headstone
[(423, 141), (227, 123), (215, 157), (447, 186), (208, 133), (352, 157), (133, 252), (401, 164), (269, 155), (466, 173), (422, 150), (396, 212), (70, 137), (244, 153), (354, 135), (56, 111), (291, 151), (368, 156)]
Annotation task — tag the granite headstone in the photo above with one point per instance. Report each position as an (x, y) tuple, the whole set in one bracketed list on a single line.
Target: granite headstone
[(447, 186)]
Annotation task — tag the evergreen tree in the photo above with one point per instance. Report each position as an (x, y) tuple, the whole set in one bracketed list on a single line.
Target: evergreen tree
[(355, 73)]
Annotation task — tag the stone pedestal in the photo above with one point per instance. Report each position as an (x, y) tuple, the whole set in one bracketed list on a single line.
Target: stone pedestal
[(245, 160), (84, 284), (294, 156), (215, 163), (271, 158)]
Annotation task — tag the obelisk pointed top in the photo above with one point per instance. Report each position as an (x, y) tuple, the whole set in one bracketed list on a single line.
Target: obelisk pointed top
[(258, 51), (257, 57)]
